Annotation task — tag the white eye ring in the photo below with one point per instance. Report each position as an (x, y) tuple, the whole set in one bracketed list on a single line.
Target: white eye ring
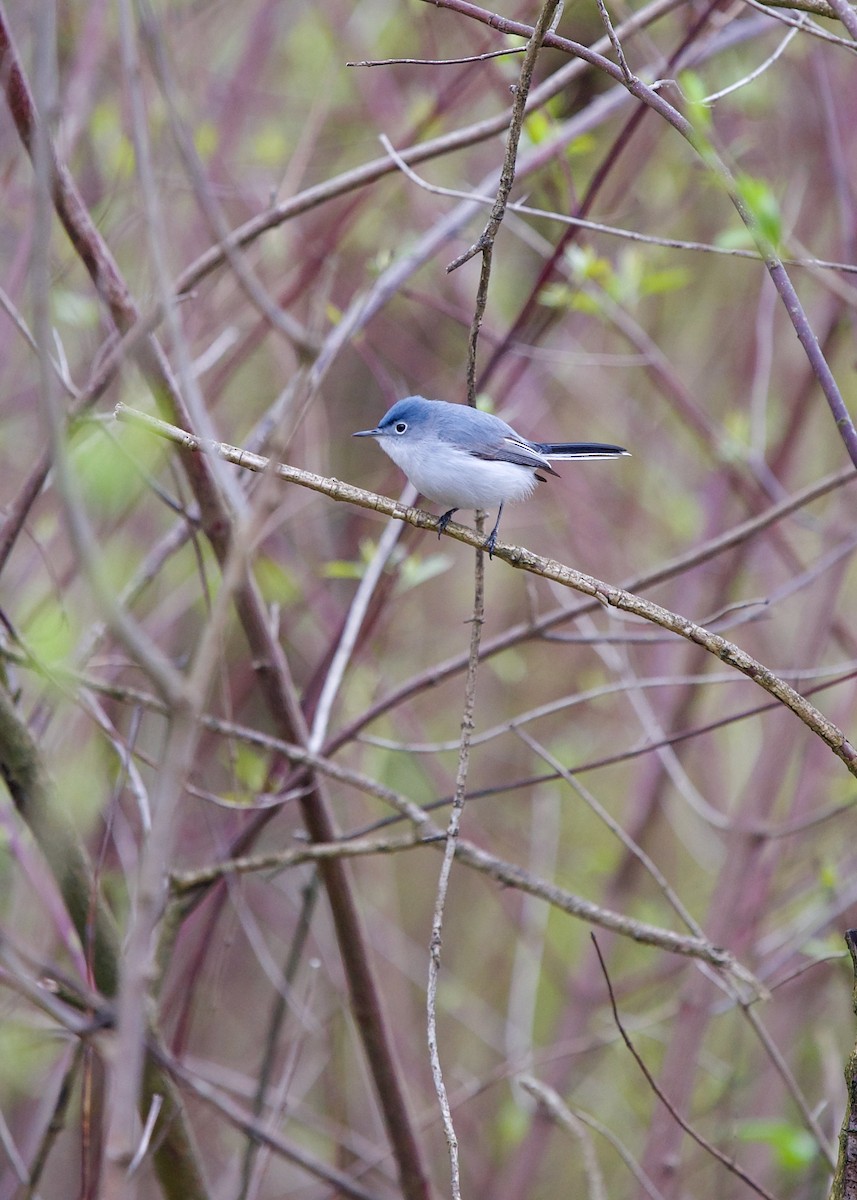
[(401, 426)]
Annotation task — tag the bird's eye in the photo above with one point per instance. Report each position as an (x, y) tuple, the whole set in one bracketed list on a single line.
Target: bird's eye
[(400, 426)]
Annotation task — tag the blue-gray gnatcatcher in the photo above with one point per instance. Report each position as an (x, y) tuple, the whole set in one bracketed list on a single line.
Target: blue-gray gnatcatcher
[(461, 457)]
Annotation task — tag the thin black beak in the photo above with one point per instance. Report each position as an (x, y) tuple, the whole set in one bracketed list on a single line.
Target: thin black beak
[(367, 433)]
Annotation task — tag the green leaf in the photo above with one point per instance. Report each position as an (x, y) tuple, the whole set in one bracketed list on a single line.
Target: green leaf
[(49, 634), (339, 568), (538, 126), (736, 426), (584, 144), (206, 138), (26, 1054), (763, 206), (694, 91), (108, 480), (251, 767), (671, 279), (270, 145), (74, 309), (794, 1147), (416, 570), (736, 238), (114, 150), (277, 583), (556, 295)]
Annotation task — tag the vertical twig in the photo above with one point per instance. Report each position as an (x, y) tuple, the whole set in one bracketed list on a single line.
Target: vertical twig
[(484, 244), (846, 15), (845, 1179), (452, 832), (614, 41)]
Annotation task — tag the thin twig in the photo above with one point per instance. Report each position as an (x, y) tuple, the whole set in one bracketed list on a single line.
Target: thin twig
[(758, 71), (484, 244), (711, 1149), (846, 14), (613, 825), (351, 628), (236, 1116), (279, 320), (629, 235), (437, 62), (184, 882), (819, 8), (507, 175), (614, 40), (782, 1068), (558, 1110), (452, 834)]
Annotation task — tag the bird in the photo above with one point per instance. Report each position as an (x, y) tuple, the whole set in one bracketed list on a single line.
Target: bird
[(461, 457)]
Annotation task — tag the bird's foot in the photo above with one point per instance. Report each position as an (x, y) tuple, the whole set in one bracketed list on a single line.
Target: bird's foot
[(492, 536), (443, 521)]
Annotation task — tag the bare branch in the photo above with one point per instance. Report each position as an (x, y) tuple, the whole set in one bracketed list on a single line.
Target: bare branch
[(524, 560)]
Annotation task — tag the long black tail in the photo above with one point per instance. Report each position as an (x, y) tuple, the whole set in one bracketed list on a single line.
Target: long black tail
[(579, 450)]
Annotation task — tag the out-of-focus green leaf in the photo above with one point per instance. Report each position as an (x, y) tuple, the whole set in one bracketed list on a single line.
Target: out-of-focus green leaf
[(49, 634), (738, 237), (115, 150), (584, 144), (105, 472), (339, 568), (829, 876), (75, 309), (416, 570), (206, 138), (537, 126), (270, 145), (512, 1124), (694, 92), (25, 1054), (759, 198), (794, 1147), (278, 584), (251, 766), (671, 279), (736, 425), (510, 666)]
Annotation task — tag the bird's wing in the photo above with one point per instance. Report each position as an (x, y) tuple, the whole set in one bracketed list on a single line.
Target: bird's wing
[(514, 450)]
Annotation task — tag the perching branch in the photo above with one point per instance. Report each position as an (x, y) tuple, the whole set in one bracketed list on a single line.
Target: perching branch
[(524, 560)]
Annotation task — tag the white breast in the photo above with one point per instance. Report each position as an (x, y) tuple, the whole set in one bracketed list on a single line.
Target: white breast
[(455, 479)]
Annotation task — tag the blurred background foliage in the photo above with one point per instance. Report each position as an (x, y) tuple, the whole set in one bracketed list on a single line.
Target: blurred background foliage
[(687, 357)]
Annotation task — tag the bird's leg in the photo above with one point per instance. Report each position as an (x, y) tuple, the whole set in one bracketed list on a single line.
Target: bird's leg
[(443, 521), (492, 536)]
